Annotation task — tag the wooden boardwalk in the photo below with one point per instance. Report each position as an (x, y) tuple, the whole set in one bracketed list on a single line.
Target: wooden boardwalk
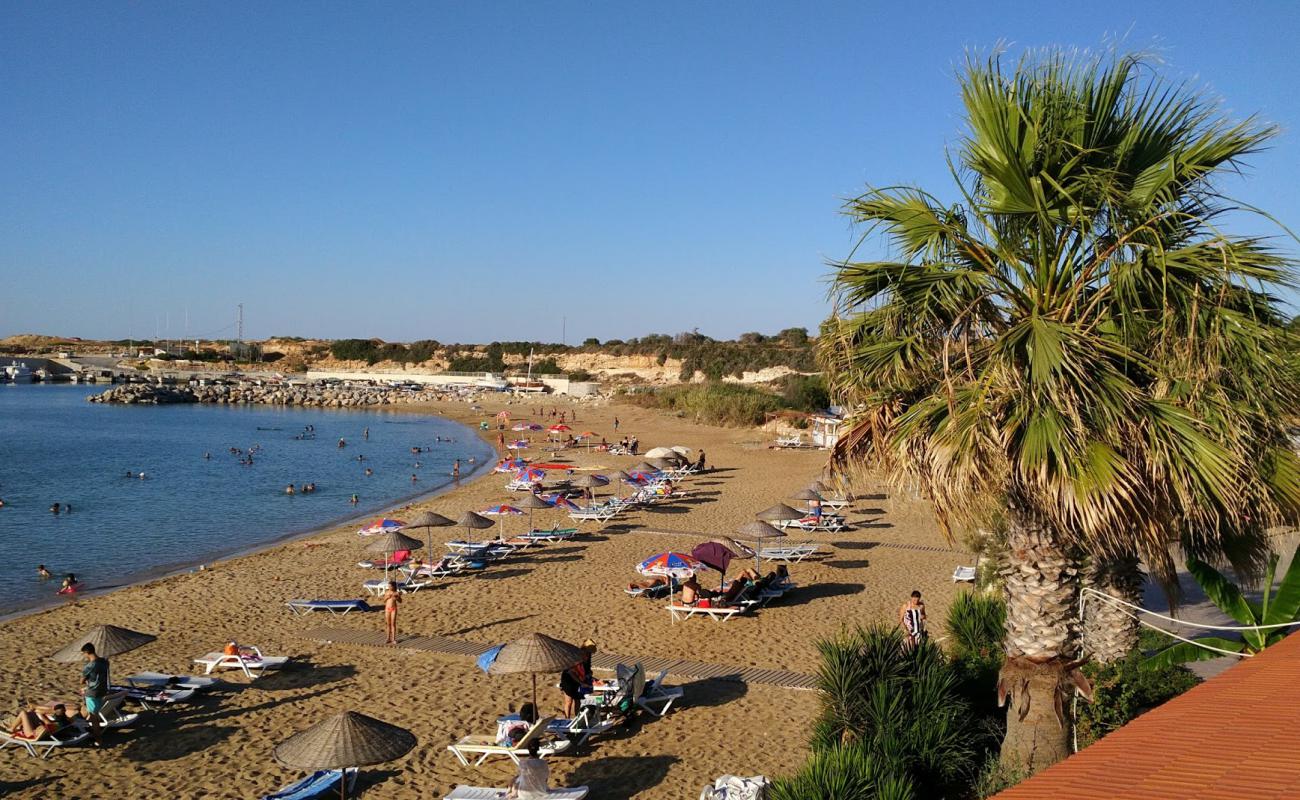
[(601, 661)]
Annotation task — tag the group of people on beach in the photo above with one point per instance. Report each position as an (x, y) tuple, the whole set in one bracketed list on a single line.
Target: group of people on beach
[(35, 722)]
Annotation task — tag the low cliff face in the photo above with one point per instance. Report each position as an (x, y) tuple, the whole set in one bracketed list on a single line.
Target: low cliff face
[(323, 396)]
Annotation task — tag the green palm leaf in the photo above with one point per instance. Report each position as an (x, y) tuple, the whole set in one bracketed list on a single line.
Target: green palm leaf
[(1222, 592), (1185, 653)]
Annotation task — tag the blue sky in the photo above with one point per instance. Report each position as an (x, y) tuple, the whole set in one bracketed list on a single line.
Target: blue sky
[(491, 171)]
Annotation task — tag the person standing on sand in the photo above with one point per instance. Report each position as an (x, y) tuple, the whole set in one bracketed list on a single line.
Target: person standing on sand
[(391, 600), (615, 424), (912, 619), (94, 687)]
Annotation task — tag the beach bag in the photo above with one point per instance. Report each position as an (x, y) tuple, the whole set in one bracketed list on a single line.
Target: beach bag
[(734, 787)]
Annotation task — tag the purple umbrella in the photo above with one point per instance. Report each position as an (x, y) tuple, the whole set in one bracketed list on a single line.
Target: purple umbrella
[(713, 555)]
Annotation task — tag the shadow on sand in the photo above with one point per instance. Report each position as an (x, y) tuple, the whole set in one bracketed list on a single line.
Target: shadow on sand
[(622, 776)]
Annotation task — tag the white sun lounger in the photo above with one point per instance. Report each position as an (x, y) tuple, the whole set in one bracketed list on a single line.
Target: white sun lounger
[(963, 574), (832, 523), (253, 666), (300, 607), (796, 552), (110, 712), (715, 613), (162, 680), (488, 793), (485, 746), (377, 587), (658, 698), (156, 697), (47, 743), (317, 785)]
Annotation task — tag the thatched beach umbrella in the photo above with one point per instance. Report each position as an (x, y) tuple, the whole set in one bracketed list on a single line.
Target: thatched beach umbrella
[(471, 521), (760, 532), (618, 478), (535, 654), (109, 641), (779, 513), (429, 520), (807, 494), (390, 543), (590, 482), (819, 487), (345, 741), (532, 502)]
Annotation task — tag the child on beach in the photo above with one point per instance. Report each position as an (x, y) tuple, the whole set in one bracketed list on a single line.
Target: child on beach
[(391, 601)]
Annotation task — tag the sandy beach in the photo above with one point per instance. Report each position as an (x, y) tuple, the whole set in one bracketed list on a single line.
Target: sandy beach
[(222, 746)]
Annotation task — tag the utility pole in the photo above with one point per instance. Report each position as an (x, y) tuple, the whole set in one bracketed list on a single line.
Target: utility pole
[(564, 329), (239, 336)]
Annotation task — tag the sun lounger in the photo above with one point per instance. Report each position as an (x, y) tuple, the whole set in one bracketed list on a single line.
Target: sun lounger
[(378, 586), (299, 607), (963, 574), (397, 559), (588, 722), (155, 698), (253, 665), (485, 746), (656, 592), (796, 552), (46, 743), (110, 712), (488, 793), (715, 613), (162, 680), (792, 443), (551, 536), (322, 784), (827, 522)]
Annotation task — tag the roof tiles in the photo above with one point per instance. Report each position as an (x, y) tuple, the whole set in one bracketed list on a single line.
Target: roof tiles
[(1234, 736)]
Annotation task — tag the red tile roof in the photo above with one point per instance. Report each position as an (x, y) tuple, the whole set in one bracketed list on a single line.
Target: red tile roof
[(1235, 736)]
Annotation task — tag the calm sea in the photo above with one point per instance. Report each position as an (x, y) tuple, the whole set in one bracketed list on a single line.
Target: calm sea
[(57, 448)]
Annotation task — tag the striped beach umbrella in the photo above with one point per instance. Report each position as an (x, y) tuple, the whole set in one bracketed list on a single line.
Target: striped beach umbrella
[(670, 564), (502, 510)]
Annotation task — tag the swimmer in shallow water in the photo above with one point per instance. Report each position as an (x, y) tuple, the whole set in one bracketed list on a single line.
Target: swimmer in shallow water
[(42, 572), (288, 489), (369, 472)]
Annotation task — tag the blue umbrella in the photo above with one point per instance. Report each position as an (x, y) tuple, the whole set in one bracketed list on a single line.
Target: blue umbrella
[(485, 661)]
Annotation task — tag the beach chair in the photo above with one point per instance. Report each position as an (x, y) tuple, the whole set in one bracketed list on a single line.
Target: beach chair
[(658, 698), (836, 504), (551, 536), (110, 712), (253, 664), (485, 746), (657, 592), (156, 698), (715, 613), (378, 586), (321, 784), (46, 742), (397, 559), (301, 607), (788, 553), (588, 722), (162, 680), (831, 523), (963, 574), (488, 793)]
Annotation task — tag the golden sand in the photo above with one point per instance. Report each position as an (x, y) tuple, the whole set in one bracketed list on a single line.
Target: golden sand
[(221, 747)]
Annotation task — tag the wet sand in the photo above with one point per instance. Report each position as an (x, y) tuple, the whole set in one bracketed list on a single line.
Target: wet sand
[(222, 746)]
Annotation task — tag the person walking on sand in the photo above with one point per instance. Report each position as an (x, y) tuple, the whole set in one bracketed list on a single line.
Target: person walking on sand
[(391, 600), (912, 619), (615, 424), (94, 687)]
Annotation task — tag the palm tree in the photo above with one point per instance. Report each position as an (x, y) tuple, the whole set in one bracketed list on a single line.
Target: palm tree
[(1077, 344)]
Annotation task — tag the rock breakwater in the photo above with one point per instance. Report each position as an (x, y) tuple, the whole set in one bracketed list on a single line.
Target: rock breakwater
[(323, 395)]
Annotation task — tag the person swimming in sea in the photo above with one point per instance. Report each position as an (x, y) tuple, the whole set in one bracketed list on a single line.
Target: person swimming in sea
[(369, 472), (354, 500), (43, 573), (207, 456), (54, 509), (288, 489)]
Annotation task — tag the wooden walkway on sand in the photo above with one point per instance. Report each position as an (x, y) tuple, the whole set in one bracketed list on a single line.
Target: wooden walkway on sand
[(601, 661)]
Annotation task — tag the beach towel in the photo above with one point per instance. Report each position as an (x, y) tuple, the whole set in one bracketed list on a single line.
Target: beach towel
[(734, 787)]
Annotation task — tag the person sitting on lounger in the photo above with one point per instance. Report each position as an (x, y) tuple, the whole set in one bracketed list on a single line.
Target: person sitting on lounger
[(32, 724), (693, 592), (512, 728), (533, 780)]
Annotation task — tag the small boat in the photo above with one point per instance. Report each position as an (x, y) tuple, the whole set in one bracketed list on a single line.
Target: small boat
[(18, 373)]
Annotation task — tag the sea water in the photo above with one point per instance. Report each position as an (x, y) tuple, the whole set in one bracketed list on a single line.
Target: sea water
[(197, 501)]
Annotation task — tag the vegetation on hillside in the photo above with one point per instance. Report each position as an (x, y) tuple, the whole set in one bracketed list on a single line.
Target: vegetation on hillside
[(734, 404)]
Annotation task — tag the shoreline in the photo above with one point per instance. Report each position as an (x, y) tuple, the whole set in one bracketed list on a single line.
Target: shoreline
[(163, 572)]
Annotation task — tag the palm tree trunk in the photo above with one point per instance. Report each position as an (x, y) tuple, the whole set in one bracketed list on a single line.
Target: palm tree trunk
[(1040, 578), (1110, 632)]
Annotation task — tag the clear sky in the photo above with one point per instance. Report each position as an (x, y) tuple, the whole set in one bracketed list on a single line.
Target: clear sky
[(480, 171)]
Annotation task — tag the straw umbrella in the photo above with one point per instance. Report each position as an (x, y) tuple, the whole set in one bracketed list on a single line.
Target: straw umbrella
[(535, 654), (390, 543), (618, 478), (590, 482), (471, 521), (343, 742), (429, 520), (109, 640), (760, 532), (779, 513), (532, 502), (810, 496)]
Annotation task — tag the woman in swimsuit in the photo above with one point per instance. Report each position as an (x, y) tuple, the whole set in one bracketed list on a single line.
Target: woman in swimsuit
[(391, 600)]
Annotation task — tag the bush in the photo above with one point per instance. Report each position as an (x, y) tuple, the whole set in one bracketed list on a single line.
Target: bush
[(893, 723), (580, 375), (976, 624), (1124, 690), (805, 392), (713, 403)]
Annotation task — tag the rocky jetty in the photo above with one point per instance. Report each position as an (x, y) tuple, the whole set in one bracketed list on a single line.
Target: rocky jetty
[(322, 395)]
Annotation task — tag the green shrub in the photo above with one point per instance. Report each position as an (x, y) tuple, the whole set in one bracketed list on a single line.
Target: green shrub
[(805, 392), (1124, 690), (976, 624), (713, 403), (844, 772), (580, 375), (890, 714)]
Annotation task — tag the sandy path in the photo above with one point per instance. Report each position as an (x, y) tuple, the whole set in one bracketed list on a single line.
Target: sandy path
[(222, 747)]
